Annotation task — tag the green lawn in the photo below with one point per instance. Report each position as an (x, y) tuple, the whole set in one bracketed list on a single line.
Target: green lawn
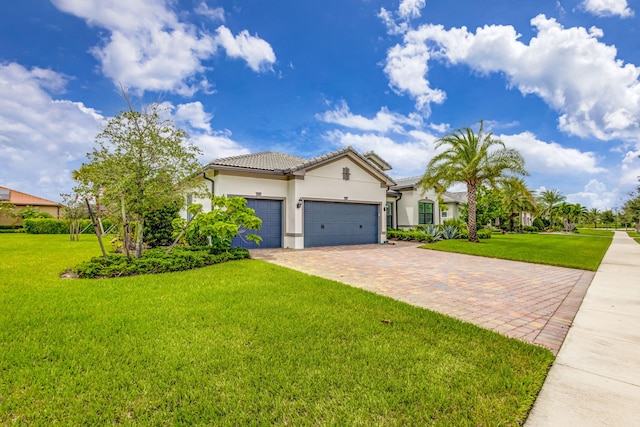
[(635, 235), (575, 251), (240, 343), (595, 232)]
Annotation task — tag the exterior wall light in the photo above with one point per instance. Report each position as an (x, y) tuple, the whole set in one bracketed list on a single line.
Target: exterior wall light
[(299, 205)]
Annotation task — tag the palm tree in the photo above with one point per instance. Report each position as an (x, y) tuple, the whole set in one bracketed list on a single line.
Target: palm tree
[(473, 159), (547, 200), (593, 216), (516, 199)]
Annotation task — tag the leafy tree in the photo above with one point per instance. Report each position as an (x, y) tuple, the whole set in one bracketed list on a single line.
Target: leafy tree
[(489, 207), (33, 212), (141, 163), (228, 218), (74, 210), (475, 159), (570, 214), (631, 209), (7, 209), (607, 217)]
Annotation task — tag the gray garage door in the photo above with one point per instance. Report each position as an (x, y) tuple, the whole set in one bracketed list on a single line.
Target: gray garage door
[(333, 224), (270, 212)]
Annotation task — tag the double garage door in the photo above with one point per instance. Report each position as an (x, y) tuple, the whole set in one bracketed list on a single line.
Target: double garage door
[(334, 224), (325, 224)]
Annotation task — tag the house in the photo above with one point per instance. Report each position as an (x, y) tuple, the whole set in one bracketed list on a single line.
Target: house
[(21, 200), (409, 206), (338, 198)]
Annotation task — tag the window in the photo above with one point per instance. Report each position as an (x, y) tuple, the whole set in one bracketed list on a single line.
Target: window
[(346, 174), (444, 214), (425, 213), (389, 214)]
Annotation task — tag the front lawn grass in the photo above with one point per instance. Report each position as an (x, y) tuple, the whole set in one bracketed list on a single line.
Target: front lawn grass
[(240, 343), (574, 251), (635, 235), (595, 232)]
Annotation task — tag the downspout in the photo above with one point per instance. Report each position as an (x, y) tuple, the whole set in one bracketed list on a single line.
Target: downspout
[(397, 200), (204, 175)]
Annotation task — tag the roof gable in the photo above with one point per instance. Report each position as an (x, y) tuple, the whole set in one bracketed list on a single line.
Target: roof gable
[(286, 164), (19, 198)]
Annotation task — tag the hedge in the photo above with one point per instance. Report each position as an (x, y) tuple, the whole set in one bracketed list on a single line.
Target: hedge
[(58, 226), (156, 261)]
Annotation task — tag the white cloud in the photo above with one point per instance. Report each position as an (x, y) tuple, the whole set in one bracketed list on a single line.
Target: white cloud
[(213, 13), (595, 195), (217, 144), (411, 8), (41, 138), (255, 51), (149, 48), (407, 158), (550, 157), (607, 8), (193, 113), (197, 123), (384, 121), (595, 93)]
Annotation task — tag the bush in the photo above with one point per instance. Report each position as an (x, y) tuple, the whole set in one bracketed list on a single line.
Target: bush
[(46, 226), (484, 234), (410, 235), (540, 223), (156, 261), (58, 226), (530, 229), (158, 226)]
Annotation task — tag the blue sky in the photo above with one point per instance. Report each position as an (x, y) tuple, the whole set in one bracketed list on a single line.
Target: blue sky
[(557, 80)]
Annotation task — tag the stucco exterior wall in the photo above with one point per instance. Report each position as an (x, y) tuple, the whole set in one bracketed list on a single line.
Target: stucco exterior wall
[(408, 207), (322, 183), (54, 211)]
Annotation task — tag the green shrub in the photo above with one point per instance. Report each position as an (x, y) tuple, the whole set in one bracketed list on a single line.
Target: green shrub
[(530, 229), (411, 235), (540, 223), (46, 226), (58, 226), (158, 228), (156, 261), (484, 234)]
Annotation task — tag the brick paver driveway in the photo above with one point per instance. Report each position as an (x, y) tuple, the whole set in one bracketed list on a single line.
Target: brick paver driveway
[(531, 302)]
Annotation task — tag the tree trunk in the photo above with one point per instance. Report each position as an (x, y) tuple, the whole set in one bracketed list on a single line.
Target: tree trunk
[(139, 236), (96, 228), (184, 229), (471, 206), (125, 228)]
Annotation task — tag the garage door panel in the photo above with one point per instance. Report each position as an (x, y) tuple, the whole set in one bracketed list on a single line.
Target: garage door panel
[(333, 224), (270, 212)]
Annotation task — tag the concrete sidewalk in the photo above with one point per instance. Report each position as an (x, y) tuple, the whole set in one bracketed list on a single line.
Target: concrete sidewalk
[(595, 380)]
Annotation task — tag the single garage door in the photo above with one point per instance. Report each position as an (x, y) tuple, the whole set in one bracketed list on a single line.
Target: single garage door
[(334, 224), (270, 212)]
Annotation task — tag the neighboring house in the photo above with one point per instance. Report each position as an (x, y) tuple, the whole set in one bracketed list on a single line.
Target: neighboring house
[(450, 206), (335, 199), (408, 206), (21, 200)]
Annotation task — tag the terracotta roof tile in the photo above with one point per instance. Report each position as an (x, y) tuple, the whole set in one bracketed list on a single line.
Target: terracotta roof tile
[(19, 198)]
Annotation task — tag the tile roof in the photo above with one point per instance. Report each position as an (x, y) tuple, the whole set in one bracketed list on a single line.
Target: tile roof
[(406, 182), (266, 160), (271, 161), (455, 197), (19, 198)]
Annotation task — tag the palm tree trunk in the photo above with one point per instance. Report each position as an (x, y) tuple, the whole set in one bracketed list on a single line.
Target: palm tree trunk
[(471, 205)]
